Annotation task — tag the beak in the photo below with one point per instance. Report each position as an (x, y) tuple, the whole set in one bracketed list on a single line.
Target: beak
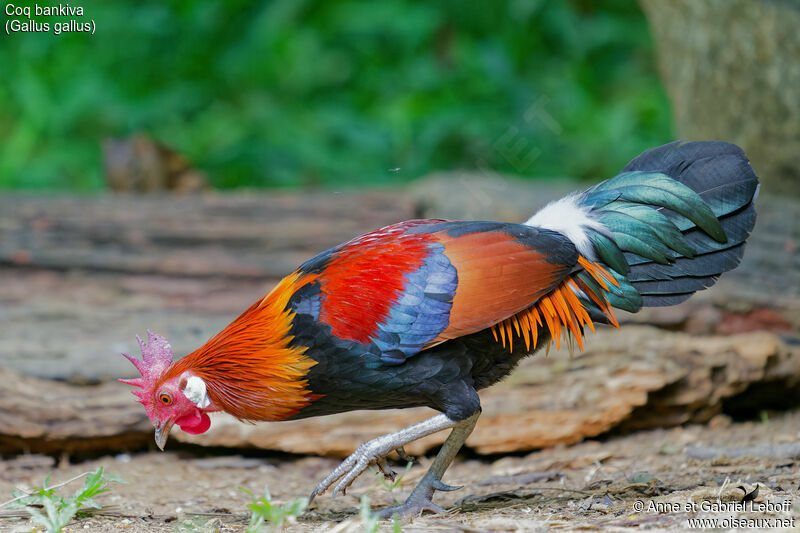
[(162, 433)]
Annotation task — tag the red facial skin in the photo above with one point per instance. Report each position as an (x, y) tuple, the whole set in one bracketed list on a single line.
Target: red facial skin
[(171, 406)]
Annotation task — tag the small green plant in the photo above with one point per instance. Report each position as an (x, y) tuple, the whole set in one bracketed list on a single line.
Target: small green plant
[(266, 514), (59, 510), (369, 520)]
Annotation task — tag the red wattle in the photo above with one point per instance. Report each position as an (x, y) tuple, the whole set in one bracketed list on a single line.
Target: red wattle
[(194, 423)]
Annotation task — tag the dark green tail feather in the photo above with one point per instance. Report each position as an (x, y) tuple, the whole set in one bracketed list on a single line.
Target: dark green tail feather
[(678, 217)]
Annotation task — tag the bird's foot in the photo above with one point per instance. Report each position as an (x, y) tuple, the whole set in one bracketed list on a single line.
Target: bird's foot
[(374, 451), (410, 509), (420, 500), (388, 473), (401, 452), (370, 452)]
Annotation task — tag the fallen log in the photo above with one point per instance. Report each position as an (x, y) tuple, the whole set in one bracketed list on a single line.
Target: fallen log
[(45, 416), (258, 236), (640, 377)]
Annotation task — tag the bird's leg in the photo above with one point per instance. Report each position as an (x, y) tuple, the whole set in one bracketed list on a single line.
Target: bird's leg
[(374, 450), (421, 497)]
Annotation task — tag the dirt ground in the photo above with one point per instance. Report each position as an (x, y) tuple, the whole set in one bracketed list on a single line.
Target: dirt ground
[(597, 484)]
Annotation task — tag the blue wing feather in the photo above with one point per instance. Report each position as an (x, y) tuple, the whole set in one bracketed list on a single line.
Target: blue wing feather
[(422, 312)]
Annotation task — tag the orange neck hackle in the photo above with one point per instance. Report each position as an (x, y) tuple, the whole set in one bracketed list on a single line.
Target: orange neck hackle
[(250, 369)]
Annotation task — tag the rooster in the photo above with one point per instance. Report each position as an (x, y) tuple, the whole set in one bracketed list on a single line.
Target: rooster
[(428, 312)]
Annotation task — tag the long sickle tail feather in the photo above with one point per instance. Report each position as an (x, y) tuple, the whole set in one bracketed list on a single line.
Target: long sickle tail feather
[(678, 216), (668, 225)]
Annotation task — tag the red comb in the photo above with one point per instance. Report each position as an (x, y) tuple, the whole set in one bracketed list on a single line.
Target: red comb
[(157, 356)]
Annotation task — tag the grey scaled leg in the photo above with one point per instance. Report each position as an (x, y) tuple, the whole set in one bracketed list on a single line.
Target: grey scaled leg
[(373, 452), (421, 498)]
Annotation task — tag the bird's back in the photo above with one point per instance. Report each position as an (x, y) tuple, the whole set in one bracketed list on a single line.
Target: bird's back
[(402, 316)]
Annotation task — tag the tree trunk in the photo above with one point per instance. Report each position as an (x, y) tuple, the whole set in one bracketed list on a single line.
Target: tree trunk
[(732, 70)]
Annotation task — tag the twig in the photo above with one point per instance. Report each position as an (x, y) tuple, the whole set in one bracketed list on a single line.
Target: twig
[(67, 482), (226, 515), (533, 493), (561, 489), (724, 484), (112, 510), (590, 475)]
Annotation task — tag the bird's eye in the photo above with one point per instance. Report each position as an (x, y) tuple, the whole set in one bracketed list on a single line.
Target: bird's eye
[(165, 398)]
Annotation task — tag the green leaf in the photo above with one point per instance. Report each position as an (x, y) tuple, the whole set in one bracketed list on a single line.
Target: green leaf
[(42, 520)]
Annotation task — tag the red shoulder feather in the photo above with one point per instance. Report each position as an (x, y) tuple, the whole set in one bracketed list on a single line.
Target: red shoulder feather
[(363, 278)]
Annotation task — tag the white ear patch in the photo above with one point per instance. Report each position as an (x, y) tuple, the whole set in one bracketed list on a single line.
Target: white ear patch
[(195, 391)]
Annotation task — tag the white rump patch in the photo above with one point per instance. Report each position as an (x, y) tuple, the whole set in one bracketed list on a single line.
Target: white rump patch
[(569, 218), (195, 391)]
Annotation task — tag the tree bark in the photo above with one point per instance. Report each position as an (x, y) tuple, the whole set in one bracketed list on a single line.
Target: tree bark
[(732, 71)]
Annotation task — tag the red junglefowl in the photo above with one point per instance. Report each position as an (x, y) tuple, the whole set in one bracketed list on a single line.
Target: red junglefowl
[(428, 312)]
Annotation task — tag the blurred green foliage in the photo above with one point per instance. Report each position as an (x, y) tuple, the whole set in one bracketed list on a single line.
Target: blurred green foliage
[(313, 92)]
